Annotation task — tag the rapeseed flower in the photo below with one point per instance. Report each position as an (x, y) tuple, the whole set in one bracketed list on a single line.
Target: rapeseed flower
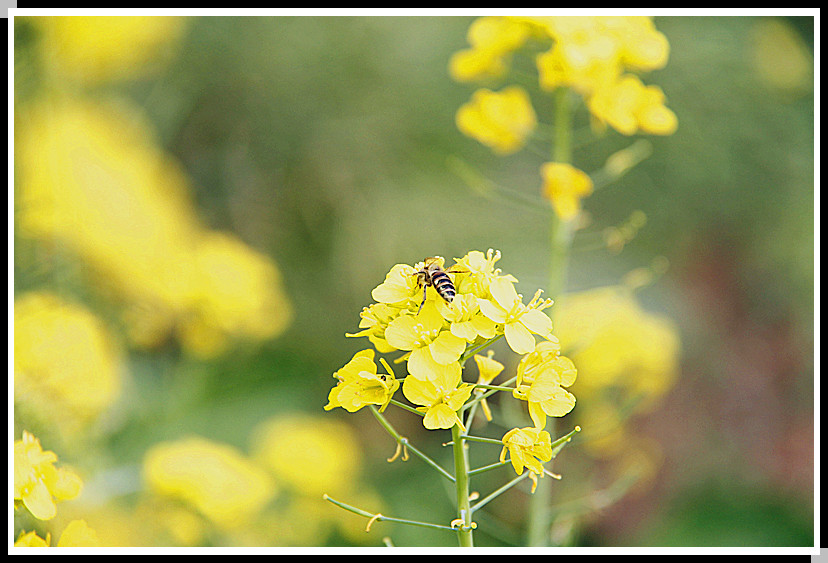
[(308, 455), (37, 482), (519, 321), (500, 120), (481, 273), (541, 378), (565, 186), (360, 384), (93, 177), (528, 448), (492, 40), (216, 479), (76, 534), (487, 369), (31, 539), (439, 398), (432, 347), (96, 49), (67, 366)]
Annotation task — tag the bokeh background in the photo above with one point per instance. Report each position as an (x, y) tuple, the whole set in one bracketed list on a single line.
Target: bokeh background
[(253, 178)]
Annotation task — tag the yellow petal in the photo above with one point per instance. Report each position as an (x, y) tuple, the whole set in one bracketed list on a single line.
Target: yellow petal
[(447, 348), (401, 334), (492, 311), (537, 321), (420, 392), (440, 416), (78, 534), (504, 294), (39, 502), (519, 338)]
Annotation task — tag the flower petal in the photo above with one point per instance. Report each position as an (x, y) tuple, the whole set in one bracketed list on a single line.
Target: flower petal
[(447, 348), (537, 321), (519, 338), (440, 416), (504, 293), (492, 311)]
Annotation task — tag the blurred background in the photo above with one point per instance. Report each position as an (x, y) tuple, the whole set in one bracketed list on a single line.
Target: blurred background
[(204, 204)]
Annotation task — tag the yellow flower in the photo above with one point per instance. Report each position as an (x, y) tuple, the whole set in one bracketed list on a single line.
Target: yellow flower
[(500, 120), (236, 292), (492, 39), (628, 107), (528, 448), (616, 343), (400, 288), (216, 479), (487, 368), (67, 367), (565, 186), (78, 534), (519, 320), (373, 322), (481, 273), (99, 48), (466, 320), (31, 539), (432, 348), (541, 378), (37, 480), (308, 454), (440, 398), (360, 384), (93, 177)]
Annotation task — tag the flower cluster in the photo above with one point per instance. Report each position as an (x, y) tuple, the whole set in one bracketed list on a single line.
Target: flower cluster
[(38, 484), (435, 337), (597, 57)]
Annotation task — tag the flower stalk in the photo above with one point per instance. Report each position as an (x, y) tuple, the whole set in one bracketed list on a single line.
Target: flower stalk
[(461, 474)]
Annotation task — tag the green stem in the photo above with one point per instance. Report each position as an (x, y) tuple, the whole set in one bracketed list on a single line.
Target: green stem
[(380, 518), (560, 242), (483, 502), (461, 482), (403, 441)]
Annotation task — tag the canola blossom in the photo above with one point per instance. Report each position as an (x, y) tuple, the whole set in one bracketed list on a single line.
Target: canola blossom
[(434, 338), (37, 482), (597, 58)]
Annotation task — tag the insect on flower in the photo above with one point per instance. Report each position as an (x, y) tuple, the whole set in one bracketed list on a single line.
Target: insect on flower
[(432, 274)]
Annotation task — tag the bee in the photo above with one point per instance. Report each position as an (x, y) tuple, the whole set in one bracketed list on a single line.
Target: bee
[(432, 274)]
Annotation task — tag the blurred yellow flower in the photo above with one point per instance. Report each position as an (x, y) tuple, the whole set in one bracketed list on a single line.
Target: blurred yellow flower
[(440, 398), (37, 480), (66, 365), (78, 534), (629, 107), (92, 178), (236, 293), (500, 120), (565, 186), (105, 48), (616, 343), (216, 479), (359, 384), (308, 454), (492, 39), (31, 539)]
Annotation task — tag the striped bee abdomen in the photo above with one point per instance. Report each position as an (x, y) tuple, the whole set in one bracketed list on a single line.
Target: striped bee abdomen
[(444, 286)]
